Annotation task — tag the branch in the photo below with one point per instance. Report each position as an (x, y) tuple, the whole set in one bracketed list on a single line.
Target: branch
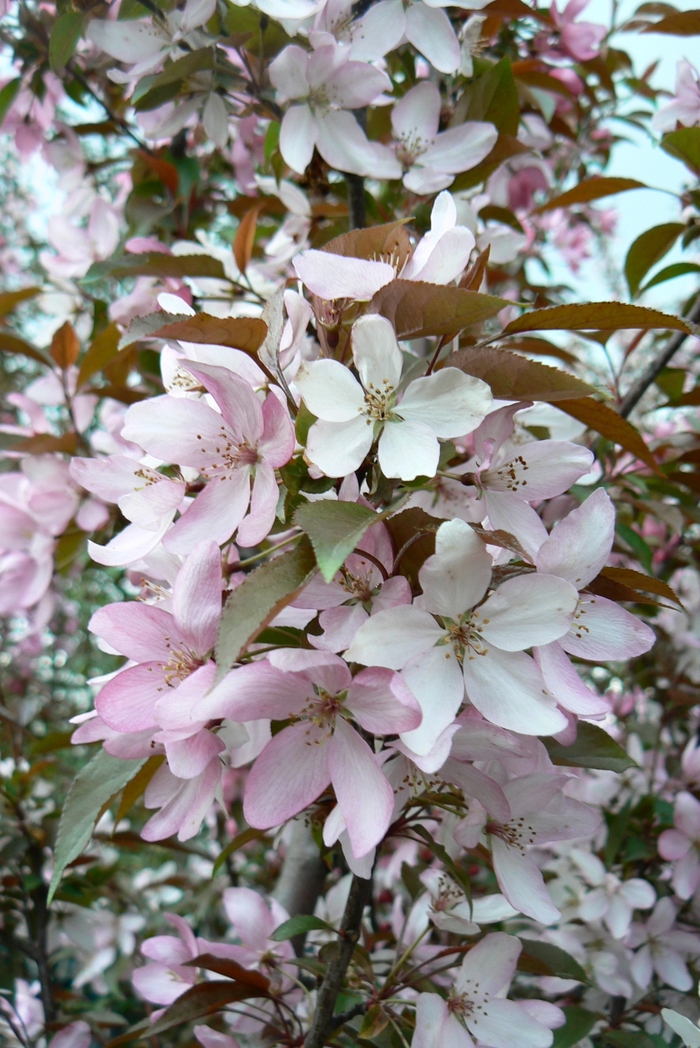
[(356, 183), (637, 390), (323, 1021), (301, 881)]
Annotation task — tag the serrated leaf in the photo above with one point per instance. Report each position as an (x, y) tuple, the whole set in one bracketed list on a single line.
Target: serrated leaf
[(609, 424), (65, 346), (648, 249), (94, 787), (590, 189), (155, 264), (417, 309), (579, 1023), (557, 961), (300, 925), (14, 344), (8, 95), (593, 748), (9, 300), (101, 352), (684, 145), (335, 528), (636, 580), (513, 377), (261, 596), (596, 316), (64, 39), (245, 333)]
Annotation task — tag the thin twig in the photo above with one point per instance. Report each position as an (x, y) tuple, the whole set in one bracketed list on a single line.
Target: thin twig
[(637, 390), (323, 1020)]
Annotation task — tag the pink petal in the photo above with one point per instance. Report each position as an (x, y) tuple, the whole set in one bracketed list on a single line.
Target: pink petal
[(215, 513), (436, 681), (336, 276), (382, 703), (365, 797), (431, 32), (540, 470), (461, 148), (580, 544), (290, 773), (172, 429), (138, 631), (298, 137), (189, 757), (507, 688), (240, 407), (522, 883), (277, 441), (250, 916), (564, 683), (128, 701), (185, 811), (603, 630), (258, 522), (527, 610), (197, 597), (456, 577), (255, 692), (491, 963), (417, 114)]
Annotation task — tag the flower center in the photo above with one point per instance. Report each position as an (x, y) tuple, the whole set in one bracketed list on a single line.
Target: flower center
[(180, 665), (516, 834), (226, 456), (464, 639), (379, 403)]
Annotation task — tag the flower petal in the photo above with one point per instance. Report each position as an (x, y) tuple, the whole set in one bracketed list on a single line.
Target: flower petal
[(365, 797), (527, 610), (449, 401), (329, 389), (376, 354), (508, 690), (580, 544), (456, 577), (290, 773)]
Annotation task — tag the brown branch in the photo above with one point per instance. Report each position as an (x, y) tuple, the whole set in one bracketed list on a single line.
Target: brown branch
[(638, 388), (323, 1021)]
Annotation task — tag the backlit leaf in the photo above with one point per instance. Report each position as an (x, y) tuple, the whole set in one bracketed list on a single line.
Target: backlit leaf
[(648, 249), (417, 309), (102, 350), (245, 236), (590, 189), (684, 145), (335, 528), (595, 316), (609, 424), (299, 925), (64, 39), (579, 1022), (513, 377), (65, 346), (554, 961)]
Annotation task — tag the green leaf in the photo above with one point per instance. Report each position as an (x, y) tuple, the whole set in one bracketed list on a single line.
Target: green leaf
[(678, 269), (493, 97), (636, 543), (182, 68), (579, 1023), (155, 264), (513, 377), (261, 596), (238, 842), (591, 189), (253, 30), (64, 39), (334, 528), (300, 925), (8, 95), (93, 788), (593, 748), (417, 309), (648, 249), (555, 960), (596, 316), (609, 424), (684, 145)]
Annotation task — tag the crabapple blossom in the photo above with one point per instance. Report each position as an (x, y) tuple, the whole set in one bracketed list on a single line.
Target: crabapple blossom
[(684, 108), (688, 1031), (478, 1004), (681, 845), (168, 975), (611, 900), (241, 443), (662, 949), (327, 84), (351, 415), (431, 159), (539, 813), (320, 747), (449, 641), (580, 40)]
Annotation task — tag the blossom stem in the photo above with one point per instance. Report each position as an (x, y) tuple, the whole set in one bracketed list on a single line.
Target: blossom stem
[(358, 898)]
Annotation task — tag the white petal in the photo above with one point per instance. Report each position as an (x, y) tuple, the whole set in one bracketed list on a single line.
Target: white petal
[(343, 144), (289, 73), (509, 513), (456, 577), (450, 402), (376, 354), (127, 41), (540, 470), (522, 883), (436, 681), (527, 610), (579, 546), (416, 118), (392, 637), (603, 630), (431, 32), (507, 688), (298, 137), (408, 450), (339, 448), (330, 390), (565, 685), (461, 148), (334, 276)]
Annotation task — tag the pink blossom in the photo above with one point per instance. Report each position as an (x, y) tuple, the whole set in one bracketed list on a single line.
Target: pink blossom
[(662, 949), (681, 845), (580, 40), (243, 442), (684, 108), (320, 747), (168, 975)]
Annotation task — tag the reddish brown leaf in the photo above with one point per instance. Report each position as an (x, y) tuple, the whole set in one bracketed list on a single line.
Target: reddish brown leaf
[(245, 333), (610, 425), (386, 243), (595, 316), (616, 591), (103, 348), (15, 344), (681, 23), (512, 377), (225, 966), (65, 346), (590, 189), (45, 443), (245, 236), (540, 347), (473, 277), (417, 309), (636, 580), (9, 300)]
